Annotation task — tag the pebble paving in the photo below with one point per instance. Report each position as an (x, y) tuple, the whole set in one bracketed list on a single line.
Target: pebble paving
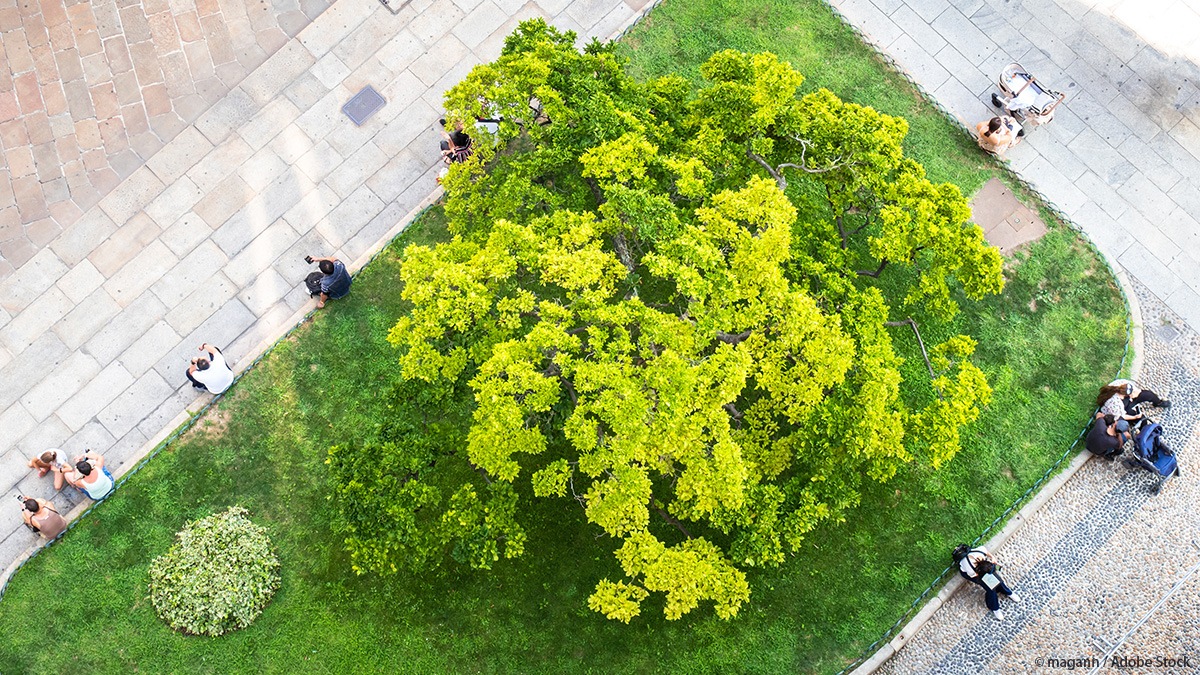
[(1093, 561)]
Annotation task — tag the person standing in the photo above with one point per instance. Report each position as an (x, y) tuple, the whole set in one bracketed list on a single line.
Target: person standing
[(980, 567), (335, 283)]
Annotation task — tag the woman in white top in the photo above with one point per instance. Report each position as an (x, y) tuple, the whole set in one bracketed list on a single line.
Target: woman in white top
[(979, 567), (90, 475), (210, 372), (52, 460)]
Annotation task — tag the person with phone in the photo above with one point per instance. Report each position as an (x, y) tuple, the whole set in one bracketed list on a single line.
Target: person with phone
[(41, 516), (210, 371), (332, 284), (981, 568)]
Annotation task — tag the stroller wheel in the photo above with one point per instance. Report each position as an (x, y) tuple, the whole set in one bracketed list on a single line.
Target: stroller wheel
[(996, 100), (1129, 463)]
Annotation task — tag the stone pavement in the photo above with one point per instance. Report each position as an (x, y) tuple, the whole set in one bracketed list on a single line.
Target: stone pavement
[(1092, 562), (1122, 156), (89, 90), (205, 242)]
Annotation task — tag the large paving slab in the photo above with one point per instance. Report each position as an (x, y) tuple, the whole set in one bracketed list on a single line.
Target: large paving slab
[(205, 241), (1122, 156), (91, 90)]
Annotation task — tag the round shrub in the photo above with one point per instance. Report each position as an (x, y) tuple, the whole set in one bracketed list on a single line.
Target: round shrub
[(217, 577)]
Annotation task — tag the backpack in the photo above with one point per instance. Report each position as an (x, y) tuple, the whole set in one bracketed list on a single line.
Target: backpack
[(313, 283)]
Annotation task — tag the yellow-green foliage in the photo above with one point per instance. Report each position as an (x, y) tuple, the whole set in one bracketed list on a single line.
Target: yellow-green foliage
[(644, 320)]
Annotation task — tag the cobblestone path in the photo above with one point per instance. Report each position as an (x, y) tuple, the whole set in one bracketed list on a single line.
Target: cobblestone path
[(1098, 556)]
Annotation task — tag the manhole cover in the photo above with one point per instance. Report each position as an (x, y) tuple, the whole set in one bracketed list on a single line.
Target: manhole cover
[(364, 104), (1167, 333)]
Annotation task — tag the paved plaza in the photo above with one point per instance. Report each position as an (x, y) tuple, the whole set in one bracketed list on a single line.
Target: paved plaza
[(1122, 156), (90, 90), (168, 164), (205, 241)]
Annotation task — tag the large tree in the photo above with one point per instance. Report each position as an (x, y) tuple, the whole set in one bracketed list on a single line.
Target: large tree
[(652, 332)]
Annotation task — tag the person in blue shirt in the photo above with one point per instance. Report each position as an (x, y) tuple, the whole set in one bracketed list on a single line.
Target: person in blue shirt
[(336, 282)]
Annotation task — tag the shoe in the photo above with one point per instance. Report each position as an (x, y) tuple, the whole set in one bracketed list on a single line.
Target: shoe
[(998, 615), (1014, 597), (1164, 404), (996, 101)]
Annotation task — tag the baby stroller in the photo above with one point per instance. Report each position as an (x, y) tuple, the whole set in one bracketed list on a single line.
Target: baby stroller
[(1152, 453), (1025, 98)]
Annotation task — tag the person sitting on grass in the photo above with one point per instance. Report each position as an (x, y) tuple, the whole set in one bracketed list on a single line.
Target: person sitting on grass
[(334, 285), (210, 372), (41, 517), (1107, 437), (52, 460), (90, 476)]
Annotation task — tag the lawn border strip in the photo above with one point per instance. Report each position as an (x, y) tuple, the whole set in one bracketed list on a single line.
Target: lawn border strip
[(869, 662), (188, 418)]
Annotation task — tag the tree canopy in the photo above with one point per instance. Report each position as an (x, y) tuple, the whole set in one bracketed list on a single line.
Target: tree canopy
[(669, 306)]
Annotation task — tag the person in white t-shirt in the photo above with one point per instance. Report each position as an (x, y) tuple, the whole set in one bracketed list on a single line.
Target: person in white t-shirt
[(52, 460), (979, 566), (210, 372)]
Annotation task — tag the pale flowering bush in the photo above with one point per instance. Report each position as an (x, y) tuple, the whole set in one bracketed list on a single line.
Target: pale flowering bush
[(218, 577)]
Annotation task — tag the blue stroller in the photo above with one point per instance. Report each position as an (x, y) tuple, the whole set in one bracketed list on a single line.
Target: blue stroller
[(1152, 453)]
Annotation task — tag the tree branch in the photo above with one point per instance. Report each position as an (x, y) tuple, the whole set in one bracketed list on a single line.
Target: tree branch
[(867, 273), (779, 179), (623, 251), (671, 520), (733, 338), (913, 324)]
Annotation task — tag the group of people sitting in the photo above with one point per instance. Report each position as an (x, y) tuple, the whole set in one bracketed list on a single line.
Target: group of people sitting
[(85, 473), (208, 372), (1120, 404)]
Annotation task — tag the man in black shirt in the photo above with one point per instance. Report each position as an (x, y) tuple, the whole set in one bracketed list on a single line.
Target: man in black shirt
[(1107, 437)]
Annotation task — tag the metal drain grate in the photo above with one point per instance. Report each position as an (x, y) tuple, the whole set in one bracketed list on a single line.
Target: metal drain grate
[(364, 104)]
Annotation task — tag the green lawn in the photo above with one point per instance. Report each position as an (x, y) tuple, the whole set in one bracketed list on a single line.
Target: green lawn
[(1045, 345)]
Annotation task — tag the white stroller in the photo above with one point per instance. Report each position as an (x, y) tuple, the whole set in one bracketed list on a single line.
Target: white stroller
[(1025, 98)]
